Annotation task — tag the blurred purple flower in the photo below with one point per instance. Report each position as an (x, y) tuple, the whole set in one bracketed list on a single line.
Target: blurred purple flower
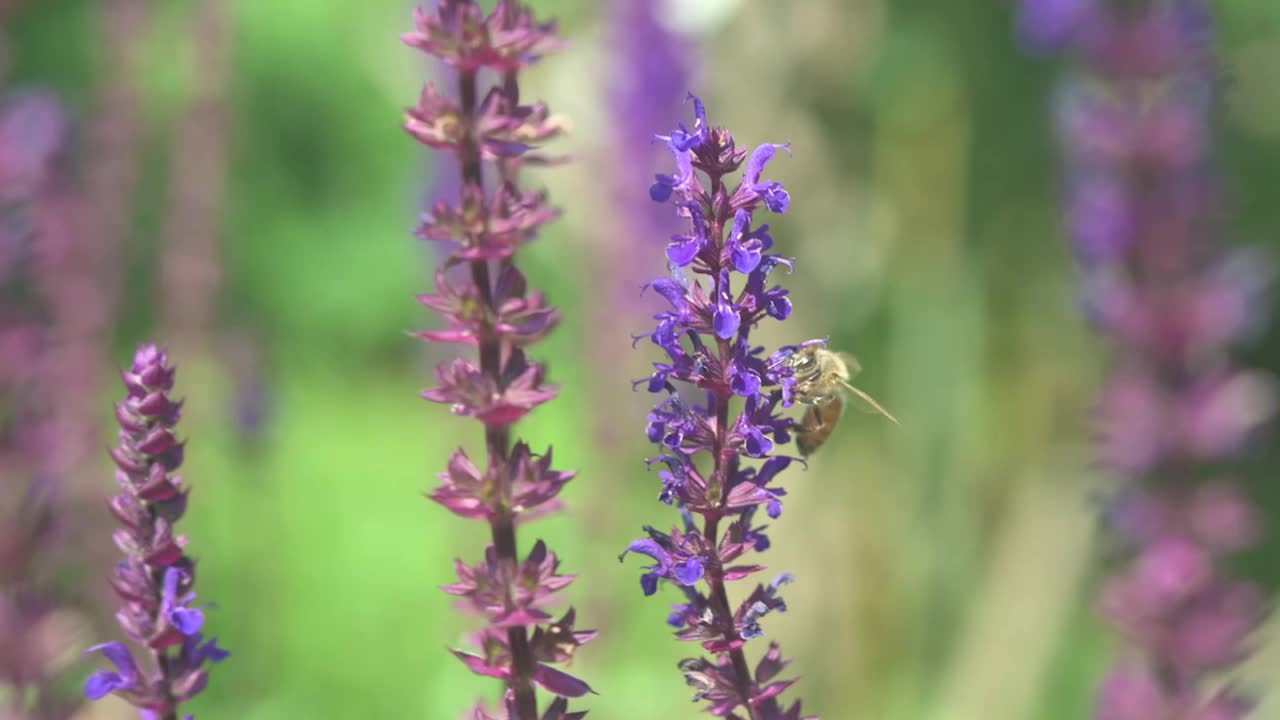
[(40, 620), (486, 304), (650, 68), (650, 75), (1135, 120), (705, 334), (191, 266)]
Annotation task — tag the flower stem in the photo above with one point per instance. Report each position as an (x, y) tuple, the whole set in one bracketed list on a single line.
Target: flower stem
[(719, 597), (720, 606), (497, 439)]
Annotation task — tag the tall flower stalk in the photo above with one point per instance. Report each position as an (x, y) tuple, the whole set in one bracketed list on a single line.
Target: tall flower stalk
[(156, 577), (718, 292), (1135, 120), (486, 304)]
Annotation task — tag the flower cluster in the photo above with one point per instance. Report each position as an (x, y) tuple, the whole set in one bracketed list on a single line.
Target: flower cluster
[(40, 622), (1135, 122), (156, 578), (486, 304), (710, 364)]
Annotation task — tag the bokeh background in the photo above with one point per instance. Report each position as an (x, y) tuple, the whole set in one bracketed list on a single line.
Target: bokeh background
[(250, 200)]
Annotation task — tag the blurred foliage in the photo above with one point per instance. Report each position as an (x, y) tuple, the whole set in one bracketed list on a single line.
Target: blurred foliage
[(944, 568)]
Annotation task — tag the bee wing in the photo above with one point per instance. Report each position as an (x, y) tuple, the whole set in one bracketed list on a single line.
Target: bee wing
[(850, 363), (868, 404)]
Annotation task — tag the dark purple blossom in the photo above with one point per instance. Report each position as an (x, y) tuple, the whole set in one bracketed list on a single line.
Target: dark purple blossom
[(486, 304), (716, 296), (1135, 119), (156, 577)]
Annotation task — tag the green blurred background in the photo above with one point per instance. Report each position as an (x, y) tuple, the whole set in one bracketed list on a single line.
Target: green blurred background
[(944, 568)]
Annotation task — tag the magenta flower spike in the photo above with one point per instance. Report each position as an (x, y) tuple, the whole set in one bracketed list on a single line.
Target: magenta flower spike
[(718, 292), (1136, 124), (486, 304)]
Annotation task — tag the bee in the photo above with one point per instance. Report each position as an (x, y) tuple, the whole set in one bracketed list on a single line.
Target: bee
[(822, 385)]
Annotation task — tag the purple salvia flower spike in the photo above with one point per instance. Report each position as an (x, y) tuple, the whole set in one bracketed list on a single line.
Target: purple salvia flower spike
[(490, 307), (1135, 122), (706, 339), (154, 581)]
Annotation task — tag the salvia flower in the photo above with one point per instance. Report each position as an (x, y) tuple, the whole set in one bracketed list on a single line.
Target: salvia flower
[(717, 293), (486, 303), (1135, 120), (156, 578)]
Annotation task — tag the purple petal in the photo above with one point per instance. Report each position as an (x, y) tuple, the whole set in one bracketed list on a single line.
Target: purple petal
[(172, 577), (650, 547), (772, 467), (102, 683), (757, 444), (697, 219), (649, 583), (683, 249), (779, 307), (684, 163), (669, 289), (761, 157), (119, 655), (689, 572), (745, 383), (776, 197), (187, 620), (699, 111), (211, 652), (725, 321), (745, 259), (762, 234), (741, 224), (660, 190)]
